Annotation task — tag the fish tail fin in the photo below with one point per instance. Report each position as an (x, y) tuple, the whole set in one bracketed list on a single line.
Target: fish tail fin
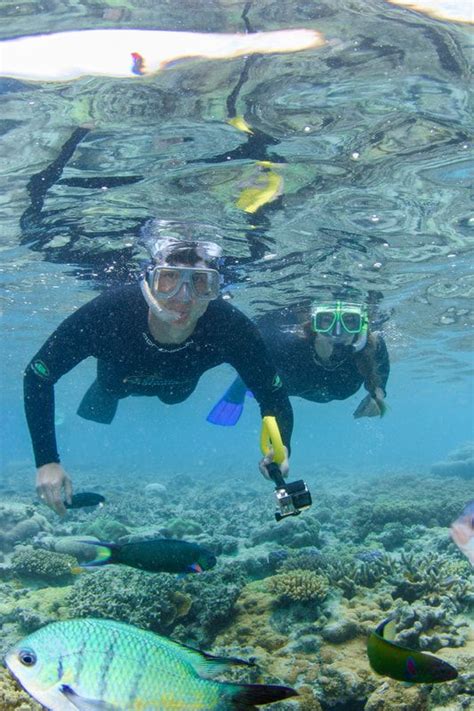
[(105, 554), (244, 697), (194, 568), (229, 408)]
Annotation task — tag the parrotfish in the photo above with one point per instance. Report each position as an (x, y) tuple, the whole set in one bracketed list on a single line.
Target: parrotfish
[(462, 532), (390, 659), (62, 56), (157, 555), (102, 665)]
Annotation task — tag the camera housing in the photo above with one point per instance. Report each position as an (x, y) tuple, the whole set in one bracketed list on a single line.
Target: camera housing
[(292, 497)]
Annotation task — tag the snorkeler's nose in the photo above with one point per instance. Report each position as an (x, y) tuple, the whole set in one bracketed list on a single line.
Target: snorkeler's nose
[(184, 293), (338, 328)]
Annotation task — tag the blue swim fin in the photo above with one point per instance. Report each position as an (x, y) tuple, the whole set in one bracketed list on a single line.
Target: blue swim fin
[(229, 408)]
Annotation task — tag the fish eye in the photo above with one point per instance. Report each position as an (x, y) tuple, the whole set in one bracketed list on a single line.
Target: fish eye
[(27, 657)]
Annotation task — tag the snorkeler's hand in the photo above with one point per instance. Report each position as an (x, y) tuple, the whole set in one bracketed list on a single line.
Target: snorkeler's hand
[(284, 467), (371, 406), (51, 481)]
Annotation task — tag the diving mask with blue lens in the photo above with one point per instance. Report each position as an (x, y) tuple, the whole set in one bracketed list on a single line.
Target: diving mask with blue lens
[(342, 321)]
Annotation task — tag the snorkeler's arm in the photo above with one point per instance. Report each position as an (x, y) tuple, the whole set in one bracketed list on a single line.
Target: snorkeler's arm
[(249, 356), (373, 404), (65, 348), (383, 362)]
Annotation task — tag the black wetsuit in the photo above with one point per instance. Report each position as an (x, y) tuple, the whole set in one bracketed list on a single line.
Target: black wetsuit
[(304, 375), (114, 329)]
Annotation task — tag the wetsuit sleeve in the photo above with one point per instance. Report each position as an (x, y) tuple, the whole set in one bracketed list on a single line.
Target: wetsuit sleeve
[(250, 358), (383, 362), (65, 348)]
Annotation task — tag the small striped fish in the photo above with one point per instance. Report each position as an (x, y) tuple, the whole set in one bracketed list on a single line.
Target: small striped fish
[(101, 665)]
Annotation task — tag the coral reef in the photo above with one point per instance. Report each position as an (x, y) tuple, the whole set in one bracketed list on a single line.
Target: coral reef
[(12, 697), (19, 523), (294, 533), (459, 462), (298, 586), (147, 600), (28, 562), (404, 501), (181, 527), (105, 527), (300, 596), (214, 595)]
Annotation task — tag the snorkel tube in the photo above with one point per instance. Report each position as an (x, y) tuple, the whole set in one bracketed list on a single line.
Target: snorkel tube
[(159, 311), (292, 497)]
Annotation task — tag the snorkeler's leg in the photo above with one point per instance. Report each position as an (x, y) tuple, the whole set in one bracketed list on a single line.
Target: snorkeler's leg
[(98, 405)]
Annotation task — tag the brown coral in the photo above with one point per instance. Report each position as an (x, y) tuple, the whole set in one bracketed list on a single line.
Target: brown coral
[(12, 698), (299, 586)]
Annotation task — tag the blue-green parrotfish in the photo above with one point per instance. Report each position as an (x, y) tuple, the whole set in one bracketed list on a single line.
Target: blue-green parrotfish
[(390, 659), (157, 555), (102, 665)]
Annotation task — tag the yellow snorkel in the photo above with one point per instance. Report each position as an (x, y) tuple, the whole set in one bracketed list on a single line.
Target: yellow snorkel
[(294, 497)]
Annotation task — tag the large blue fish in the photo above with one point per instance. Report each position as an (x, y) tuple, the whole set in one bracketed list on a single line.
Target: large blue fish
[(101, 665)]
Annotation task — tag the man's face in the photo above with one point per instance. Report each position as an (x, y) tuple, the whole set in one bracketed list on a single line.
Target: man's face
[(188, 304)]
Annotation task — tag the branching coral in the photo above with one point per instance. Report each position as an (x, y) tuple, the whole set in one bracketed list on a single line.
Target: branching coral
[(305, 559), (432, 577), (349, 573), (298, 586)]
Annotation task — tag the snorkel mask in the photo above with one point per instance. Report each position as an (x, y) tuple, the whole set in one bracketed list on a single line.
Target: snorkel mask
[(341, 321), (163, 280)]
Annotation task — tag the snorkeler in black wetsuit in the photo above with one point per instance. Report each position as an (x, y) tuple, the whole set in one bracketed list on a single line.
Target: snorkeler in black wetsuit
[(328, 358), (154, 339)]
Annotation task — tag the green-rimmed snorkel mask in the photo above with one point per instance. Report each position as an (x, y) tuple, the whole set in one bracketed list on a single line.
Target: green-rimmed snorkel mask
[(342, 321)]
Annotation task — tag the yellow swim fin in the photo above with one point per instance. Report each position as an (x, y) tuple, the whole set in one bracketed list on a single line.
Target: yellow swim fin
[(269, 186), (240, 124)]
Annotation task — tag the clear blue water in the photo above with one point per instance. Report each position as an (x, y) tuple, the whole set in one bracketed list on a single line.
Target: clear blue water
[(372, 135)]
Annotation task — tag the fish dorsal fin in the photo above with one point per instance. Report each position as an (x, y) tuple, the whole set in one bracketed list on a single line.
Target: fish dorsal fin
[(390, 630), (207, 665), (83, 704)]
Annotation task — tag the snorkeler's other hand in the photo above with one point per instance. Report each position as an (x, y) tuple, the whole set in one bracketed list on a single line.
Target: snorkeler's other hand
[(284, 466), (371, 406), (51, 481)]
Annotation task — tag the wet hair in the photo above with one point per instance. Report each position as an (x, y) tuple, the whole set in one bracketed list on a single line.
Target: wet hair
[(184, 255)]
